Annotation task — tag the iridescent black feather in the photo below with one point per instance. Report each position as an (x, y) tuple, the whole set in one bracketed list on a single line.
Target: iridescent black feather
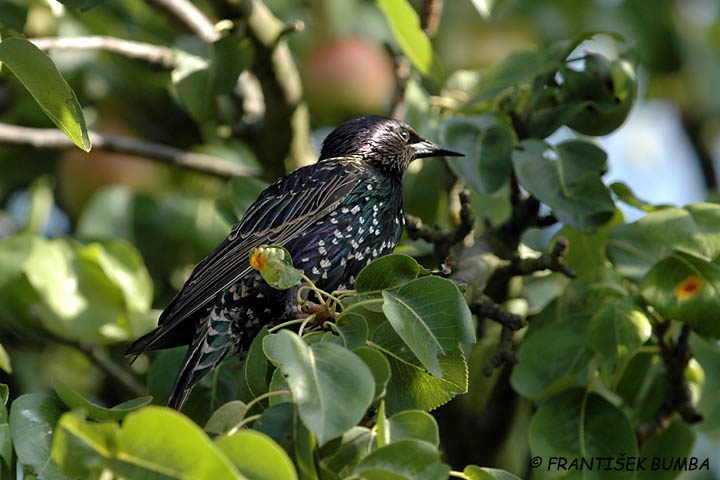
[(334, 217)]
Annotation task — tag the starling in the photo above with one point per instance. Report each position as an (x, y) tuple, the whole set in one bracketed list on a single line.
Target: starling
[(334, 217)]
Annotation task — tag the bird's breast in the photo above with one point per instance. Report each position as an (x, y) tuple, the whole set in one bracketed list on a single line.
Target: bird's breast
[(365, 226)]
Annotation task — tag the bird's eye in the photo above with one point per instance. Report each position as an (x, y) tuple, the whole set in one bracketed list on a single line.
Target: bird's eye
[(404, 134)]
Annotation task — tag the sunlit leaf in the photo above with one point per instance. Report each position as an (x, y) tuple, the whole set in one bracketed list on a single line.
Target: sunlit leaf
[(634, 248), (257, 456), (405, 24), (686, 288), (39, 75)]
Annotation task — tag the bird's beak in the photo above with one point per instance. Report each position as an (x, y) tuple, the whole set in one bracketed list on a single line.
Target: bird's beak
[(426, 148)]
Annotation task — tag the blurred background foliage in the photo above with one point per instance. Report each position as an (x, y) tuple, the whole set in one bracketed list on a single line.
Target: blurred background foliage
[(111, 211)]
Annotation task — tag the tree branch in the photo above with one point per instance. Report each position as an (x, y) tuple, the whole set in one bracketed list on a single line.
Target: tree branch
[(430, 16), (197, 162), (510, 322), (156, 54), (552, 261), (111, 369), (283, 135), (441, 238), (675, 356), (191, 18)]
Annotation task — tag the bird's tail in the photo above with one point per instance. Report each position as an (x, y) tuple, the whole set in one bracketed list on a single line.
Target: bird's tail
[(212, 342)]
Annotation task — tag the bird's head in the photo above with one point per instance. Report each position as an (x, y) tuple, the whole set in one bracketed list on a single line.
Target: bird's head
[(383, 142)]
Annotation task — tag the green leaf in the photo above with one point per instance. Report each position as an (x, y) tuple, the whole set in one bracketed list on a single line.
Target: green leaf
[(255, 369), (278, 422), (551, 359), (686, 288), (153, 443), (588, 249), (473, 472), (623, 192), (39, 75), (413, 425), (209, 71), (405, 25), (83, 5), (80, 448), (496, 149), (406, 459), (5, 364), (617, 330), (123, 266), (257, 456), (157, 442), (577, 424), (32, 422), (567, 179), (304, 449), (6, 444), (488, 146), (331, 386), (74, 400), (353, 331), (229, 56), (77, 292), (431, 316), (378, 365), (276, 266), (355, 444), (674, 442), (412, 387), (226, 417), (634, 248), (387, 272)]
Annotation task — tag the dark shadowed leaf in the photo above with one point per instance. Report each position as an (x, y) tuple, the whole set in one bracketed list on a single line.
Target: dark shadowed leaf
[(226, 417), (551, 359), (473, 472), (577, 424)]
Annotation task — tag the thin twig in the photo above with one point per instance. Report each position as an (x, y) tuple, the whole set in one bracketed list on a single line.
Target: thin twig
[(675, 356), (112, 370), (510, 322), (188, 16), (197, 162), (156, 54), (441, 238), (430, 16), (552, 261)]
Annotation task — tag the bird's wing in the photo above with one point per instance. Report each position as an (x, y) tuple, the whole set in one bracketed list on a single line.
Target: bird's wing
[(282, 211)]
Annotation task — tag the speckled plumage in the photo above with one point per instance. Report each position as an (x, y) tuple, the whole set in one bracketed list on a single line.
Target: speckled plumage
[(334, 217)]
